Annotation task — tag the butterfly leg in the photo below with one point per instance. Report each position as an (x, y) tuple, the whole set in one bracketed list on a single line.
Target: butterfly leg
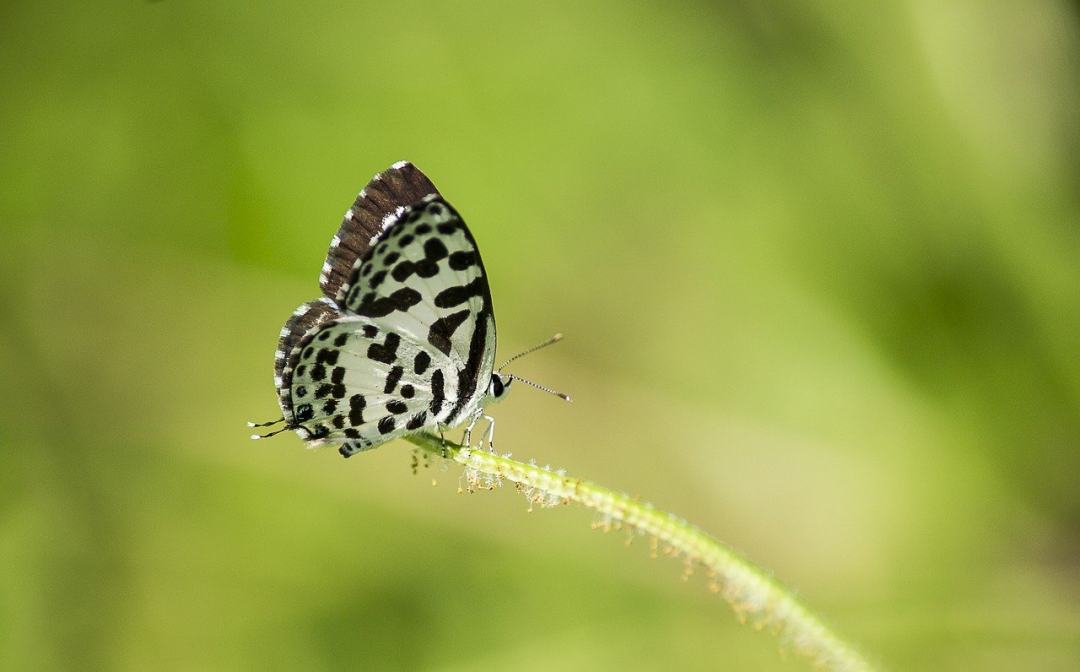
[(442, 438), (490, 434), (472, 423)]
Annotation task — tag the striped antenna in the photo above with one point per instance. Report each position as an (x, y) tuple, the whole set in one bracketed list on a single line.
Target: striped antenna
[(554, 339), (564, 397)]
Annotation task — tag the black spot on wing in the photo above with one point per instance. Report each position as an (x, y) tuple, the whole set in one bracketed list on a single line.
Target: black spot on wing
[(417, 421), (421, 362), (386, 425), (442, 330), (427, 268), (392, 379), (434, 249), (356, 409), (402, 299), (397, 407), (438, 394), (462, 259), (403, 270), (387, 351), (453, 296), (341, 339)]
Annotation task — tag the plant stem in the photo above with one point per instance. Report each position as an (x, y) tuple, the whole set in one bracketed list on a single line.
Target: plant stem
[(755, 597)]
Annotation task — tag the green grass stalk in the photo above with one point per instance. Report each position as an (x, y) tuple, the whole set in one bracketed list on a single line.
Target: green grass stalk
[(756, 598)]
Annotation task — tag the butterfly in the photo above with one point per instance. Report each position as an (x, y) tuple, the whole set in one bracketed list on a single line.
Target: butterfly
[(403, 338)]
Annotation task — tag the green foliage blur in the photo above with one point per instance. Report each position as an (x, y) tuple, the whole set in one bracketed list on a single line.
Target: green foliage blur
[(817, 264)]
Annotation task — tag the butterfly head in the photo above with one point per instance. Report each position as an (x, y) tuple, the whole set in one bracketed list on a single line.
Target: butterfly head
[(499, 386), (500, 382)]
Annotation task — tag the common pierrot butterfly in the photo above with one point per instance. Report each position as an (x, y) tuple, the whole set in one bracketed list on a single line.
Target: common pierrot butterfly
[(403, 339)]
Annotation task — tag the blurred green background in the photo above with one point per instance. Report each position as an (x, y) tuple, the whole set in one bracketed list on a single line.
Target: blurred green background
[(816, 262)]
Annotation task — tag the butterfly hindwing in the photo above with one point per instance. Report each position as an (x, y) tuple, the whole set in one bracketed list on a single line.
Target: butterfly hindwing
[(358, 384), (425, 281)]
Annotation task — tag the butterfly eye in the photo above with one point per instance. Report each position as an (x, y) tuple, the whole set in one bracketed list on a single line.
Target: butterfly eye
[(496, 388)]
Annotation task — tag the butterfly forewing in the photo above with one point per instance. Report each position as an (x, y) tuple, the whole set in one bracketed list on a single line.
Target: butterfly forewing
[(424, 280)]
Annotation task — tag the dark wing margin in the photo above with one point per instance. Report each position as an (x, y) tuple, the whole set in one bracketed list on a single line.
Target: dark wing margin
[(374, 210), (294, 335)]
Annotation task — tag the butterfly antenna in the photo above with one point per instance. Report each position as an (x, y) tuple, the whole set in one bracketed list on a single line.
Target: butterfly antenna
[(265, 424), (564, 397), (554, 339)]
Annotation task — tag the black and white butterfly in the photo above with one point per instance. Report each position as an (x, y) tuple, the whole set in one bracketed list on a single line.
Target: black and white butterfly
[(403, 339)]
